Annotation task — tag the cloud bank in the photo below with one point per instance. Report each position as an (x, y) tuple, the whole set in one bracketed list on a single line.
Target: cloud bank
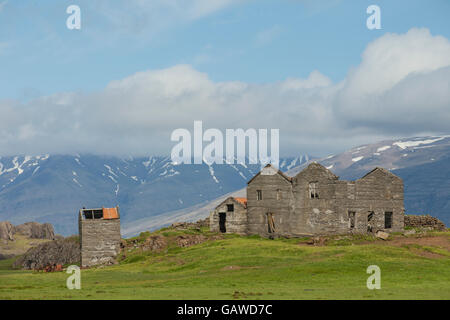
[(400, 88), (135, 17)]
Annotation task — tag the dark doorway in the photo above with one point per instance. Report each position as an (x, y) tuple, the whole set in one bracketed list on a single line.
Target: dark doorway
[(370, 221), (222, 221), (351, 217), (388, 220)]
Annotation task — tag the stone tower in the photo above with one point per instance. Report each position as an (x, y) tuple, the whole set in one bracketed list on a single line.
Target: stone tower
[(99, 235)]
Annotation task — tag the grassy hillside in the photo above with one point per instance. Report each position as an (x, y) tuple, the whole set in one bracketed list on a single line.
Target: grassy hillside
[(233, 267), (19, 246)]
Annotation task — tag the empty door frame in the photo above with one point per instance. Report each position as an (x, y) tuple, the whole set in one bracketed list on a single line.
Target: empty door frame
[(222, 222), (270, 223)]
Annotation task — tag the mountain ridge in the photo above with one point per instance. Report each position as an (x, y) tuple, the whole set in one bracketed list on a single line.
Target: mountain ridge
[(152, 192), (52, 188), (426, 177)]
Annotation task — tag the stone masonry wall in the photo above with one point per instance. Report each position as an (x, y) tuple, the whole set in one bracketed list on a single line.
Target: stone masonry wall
[(316, 215), (424, 222), (99, 241), (276, 200), (379, 192), (296, 213), (236, 221)]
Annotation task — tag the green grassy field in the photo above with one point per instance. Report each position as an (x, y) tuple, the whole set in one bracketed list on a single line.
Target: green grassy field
[(253, 268)]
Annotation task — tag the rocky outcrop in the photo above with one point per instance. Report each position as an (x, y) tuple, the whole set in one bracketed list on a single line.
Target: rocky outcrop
[(5, 256), (188, 240), (155, 243), (57, 252), (426, 221), (190, 225), (6, 231), (35, 230)]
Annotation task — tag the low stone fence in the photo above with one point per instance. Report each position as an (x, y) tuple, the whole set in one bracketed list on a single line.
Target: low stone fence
[(424, 222)]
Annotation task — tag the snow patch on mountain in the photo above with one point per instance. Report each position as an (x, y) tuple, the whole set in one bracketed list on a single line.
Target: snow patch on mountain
[(76, 181), (110, 170), (211, 172), (383, 148), (415, 143)]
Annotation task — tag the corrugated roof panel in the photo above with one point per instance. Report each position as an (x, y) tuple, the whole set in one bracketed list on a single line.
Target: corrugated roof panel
[(110, 213)]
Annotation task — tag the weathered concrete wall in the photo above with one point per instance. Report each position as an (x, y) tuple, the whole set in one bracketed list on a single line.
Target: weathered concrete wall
[(236, 220), (316, 215), (276, 200), (99, 241), (379, 192)]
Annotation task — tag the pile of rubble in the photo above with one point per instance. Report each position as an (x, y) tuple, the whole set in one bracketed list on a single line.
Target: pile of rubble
[(425, 222), (317, 241), (188, 240), (190, 225), (152, 243), (160, 242), (52, 253)]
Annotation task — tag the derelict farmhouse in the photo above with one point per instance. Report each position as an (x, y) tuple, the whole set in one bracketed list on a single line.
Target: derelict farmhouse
[(314, 202)]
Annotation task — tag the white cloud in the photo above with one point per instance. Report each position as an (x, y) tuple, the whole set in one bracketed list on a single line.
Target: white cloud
[(401, 87), (402, 84), (200, 8), (391, 58), (266, 36), (134, 17), (315, 79)]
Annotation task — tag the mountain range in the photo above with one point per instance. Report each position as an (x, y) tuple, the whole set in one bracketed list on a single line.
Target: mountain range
[(153, 192), (422, 162), (52, 188)]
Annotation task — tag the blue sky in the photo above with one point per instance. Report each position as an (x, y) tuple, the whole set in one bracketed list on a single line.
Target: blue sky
[(137, 70), (252, 41)]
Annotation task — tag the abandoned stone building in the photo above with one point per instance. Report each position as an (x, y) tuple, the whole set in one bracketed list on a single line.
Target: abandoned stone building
[(314, 202), (99, 235), (230, 216)]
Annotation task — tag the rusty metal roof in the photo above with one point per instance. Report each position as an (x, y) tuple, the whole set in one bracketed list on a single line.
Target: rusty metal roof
[(242, 201), (110, 213)]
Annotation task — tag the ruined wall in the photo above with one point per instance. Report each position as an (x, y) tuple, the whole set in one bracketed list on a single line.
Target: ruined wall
[(368, 199), (319, 215), (424, 222), (276, 200), (236, 220), (379, 192), (99, 241)]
